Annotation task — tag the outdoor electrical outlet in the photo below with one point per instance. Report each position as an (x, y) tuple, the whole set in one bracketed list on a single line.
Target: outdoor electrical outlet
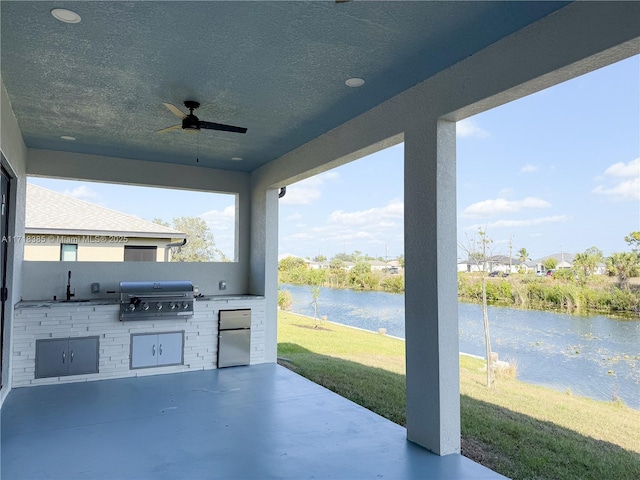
[(222, 285), (95, 288)]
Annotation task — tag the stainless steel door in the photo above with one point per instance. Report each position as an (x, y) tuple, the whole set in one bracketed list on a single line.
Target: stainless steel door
[(234, 347), (234, 338), (235, 319), (170, 348)]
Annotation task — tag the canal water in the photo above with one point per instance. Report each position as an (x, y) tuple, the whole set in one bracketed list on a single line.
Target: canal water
[(593, 356)]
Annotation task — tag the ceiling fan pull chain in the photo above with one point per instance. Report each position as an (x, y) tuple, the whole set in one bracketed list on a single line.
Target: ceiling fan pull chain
[(197, 150)]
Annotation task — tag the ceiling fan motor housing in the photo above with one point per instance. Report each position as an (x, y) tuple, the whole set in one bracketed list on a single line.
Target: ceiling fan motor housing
[(191, 124)]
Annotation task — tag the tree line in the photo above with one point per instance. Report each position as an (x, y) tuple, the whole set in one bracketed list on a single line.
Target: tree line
[(359, 277), (200, 245), (576, 289)]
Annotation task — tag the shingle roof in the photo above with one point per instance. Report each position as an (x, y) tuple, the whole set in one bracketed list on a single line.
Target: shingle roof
[(56, 213), (560, 257)]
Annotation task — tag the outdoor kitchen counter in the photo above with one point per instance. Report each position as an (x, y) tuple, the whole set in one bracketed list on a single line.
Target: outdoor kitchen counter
[(99, 318), (216, 298), (64, 303)]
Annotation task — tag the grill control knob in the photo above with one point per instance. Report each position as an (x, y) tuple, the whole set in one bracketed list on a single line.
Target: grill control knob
[(144, 306), (173, 306), (131, 307), (185, 305), (158, 306)]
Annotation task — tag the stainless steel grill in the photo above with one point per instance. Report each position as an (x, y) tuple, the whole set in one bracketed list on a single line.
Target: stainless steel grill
[(156, 300)]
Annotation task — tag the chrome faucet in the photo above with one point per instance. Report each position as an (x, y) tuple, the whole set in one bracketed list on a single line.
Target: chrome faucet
[(69, 294)]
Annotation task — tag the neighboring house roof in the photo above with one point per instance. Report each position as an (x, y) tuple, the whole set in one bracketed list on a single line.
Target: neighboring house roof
[(502, 259), (287, 255), (50, 212), (376, 263), (560, 257)]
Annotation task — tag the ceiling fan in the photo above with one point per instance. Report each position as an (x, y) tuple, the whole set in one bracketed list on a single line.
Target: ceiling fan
[(192, 124)]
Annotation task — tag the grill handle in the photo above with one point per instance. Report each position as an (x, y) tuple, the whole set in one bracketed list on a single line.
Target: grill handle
[(159, 295)]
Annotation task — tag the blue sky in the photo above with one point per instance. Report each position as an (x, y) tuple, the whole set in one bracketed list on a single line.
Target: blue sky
[(557, 169)]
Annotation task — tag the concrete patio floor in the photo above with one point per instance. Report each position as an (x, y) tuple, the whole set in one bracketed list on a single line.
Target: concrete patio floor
[(255, 422)]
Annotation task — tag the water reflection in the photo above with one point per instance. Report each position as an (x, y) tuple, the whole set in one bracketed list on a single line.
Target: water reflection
[(595, 356)]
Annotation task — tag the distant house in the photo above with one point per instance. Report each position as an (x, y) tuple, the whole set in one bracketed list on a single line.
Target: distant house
[(564, 260), (496, 263), (377, 265), (60, 227), (601, 269), (318, 265)]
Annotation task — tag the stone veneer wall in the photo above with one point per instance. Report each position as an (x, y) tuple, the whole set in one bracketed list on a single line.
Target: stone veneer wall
[(68, 321)]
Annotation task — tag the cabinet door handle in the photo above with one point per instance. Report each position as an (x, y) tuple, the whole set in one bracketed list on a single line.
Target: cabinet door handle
[(64, 355), (160, 349), (154, 350), (71, 356)]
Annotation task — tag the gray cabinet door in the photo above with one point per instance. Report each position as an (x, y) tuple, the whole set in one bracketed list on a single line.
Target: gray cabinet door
[(82, 356), (170, 348), (51, 357), (58, 357), (144, 351)]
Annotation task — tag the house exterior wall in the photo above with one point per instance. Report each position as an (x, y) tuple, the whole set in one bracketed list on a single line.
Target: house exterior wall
[(15, 153), (559, 47), (45, 278), (91, 248), (574, 40)]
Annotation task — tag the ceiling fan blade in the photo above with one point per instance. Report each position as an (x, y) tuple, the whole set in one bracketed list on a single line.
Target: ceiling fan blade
[(168, 129), (175, 110), (222, 127)]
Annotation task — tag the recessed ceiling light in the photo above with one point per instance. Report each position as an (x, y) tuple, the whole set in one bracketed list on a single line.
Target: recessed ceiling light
[(66, 16), (67, 137), (236, 159), (354, 82)]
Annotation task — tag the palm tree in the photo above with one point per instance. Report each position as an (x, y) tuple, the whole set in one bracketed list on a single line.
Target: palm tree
[(523, 255), (623, 265)]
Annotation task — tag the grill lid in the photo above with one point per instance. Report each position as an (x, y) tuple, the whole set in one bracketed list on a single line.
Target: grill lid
[(156, 300), (156, 288)]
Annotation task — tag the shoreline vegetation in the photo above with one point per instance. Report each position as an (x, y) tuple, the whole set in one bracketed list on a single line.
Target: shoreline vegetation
[(560, 293), (517, 429)]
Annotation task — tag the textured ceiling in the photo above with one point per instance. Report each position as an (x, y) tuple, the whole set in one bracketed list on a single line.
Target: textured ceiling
[(277, 68)]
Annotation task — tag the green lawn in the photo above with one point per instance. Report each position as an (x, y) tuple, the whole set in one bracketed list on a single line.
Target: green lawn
[(520, 430)]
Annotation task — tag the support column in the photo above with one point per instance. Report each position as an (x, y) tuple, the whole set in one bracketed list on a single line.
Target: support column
[(263, 269), (431, 301)]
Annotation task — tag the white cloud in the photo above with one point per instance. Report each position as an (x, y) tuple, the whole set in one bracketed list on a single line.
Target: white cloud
[(394, 210), (367, 230), (487, 208), (530, 222), (528, 168), (295, 216), (620, 169), (83, 192), (308, 190), (220, 220), (521, 223), (626, 189), (469, 128), (222, 225)]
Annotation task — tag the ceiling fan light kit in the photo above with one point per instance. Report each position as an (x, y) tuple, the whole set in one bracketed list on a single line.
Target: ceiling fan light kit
[(192, 124)]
